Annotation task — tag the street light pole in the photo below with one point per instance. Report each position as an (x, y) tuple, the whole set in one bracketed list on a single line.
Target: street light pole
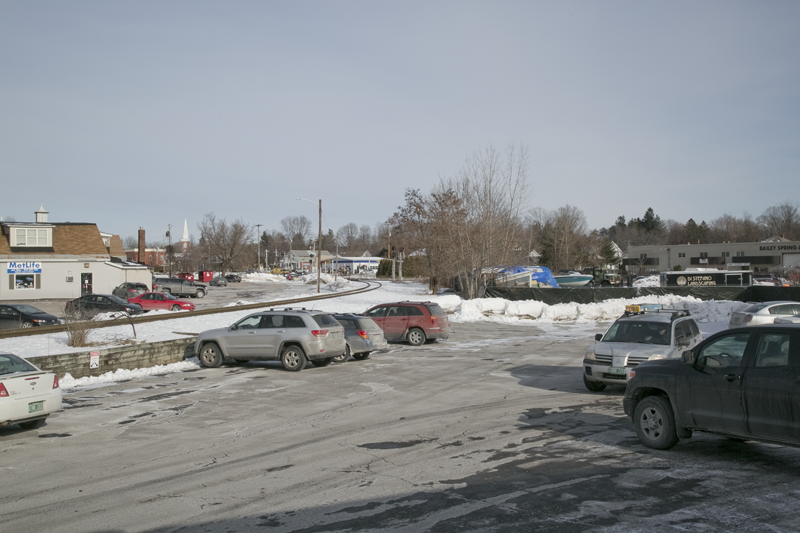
[(319, 238), (258, 254)]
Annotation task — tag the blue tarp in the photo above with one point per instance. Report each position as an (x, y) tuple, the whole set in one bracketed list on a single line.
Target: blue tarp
[(539, 274)]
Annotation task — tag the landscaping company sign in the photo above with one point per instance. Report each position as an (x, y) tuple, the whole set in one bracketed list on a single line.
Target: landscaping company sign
[(24, 267)]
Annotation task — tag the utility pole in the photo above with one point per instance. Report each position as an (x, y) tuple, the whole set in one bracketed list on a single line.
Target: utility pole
[(258, 254), (169, 250), (319, 245)]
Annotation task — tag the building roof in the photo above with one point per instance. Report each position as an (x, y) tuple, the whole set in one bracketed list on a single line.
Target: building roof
[(116, 249), (70, 241)]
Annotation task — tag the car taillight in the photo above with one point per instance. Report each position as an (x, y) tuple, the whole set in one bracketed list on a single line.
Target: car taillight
[(319, 332), (433, 320), (748, 318), (361, 333), (3, 391), (55, 382)]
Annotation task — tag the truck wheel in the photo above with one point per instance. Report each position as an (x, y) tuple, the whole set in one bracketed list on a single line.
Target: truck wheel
[(293, 358), (654, 422), (200, 294), (210, 355), (594, 386), (165, 290), (361, 356)]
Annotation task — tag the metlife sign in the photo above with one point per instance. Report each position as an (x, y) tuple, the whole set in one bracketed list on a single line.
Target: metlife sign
[(24, 267)]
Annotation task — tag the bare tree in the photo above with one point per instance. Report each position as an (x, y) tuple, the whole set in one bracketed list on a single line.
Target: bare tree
[(782, 220), (225, 242), (130, 242), (348, 235), (294, 226), (364, 237), (478, 213)]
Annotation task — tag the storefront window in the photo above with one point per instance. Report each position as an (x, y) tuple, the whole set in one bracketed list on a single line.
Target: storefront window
[(25, 281)]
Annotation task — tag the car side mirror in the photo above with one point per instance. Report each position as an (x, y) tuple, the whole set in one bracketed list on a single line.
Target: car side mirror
[(598, 337), (684, 341), (234, 327), (688, 357)]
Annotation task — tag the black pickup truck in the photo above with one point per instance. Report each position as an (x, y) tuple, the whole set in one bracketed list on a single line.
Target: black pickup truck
[(742, 383), (179, 287)]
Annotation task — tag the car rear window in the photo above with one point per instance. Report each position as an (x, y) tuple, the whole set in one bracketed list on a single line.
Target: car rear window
[(414, 311), (435, 309), (347, 324), (11, 364), (325, 320), (754, 308)]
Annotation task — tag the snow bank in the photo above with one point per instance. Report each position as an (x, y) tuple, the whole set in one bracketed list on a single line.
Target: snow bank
[(263, 277), (497, 309), (69, 383)]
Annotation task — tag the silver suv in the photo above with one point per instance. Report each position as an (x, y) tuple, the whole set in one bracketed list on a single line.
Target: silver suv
[(292, 336), (643, 333)]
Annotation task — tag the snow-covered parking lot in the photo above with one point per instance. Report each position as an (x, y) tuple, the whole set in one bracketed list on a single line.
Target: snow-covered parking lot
[(562, 321)]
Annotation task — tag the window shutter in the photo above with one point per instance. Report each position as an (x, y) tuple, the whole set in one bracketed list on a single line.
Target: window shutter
[(37, 281), (11, 282)]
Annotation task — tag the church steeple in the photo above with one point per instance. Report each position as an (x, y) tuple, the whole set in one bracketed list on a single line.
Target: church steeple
[(185, 238)]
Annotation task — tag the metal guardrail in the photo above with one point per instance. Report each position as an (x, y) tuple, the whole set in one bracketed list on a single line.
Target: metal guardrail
[(143, 319)]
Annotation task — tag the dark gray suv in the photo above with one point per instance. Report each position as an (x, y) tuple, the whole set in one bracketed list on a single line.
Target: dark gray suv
[(293, 336)]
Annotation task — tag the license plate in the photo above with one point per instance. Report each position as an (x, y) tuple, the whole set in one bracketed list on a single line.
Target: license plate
[(617, 370), (335, 335), (35, 407)]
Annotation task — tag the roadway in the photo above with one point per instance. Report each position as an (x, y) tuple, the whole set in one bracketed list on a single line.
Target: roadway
[(491, 430)]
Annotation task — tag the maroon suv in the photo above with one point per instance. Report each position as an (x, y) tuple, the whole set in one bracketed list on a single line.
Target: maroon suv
[(415, 322)]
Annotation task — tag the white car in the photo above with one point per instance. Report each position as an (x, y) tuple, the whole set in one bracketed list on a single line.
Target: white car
[(763, 313), (644, 333), (788, 320), (27, 394)]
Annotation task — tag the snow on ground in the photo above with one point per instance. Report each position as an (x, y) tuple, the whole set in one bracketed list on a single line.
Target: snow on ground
[(561, 322)]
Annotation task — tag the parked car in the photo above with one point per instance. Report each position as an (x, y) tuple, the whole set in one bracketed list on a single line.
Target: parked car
[(740, 383), (13, 316), (763, 313), (218, 282), (28, 395), (639, 335), (788, 319), (766, 279), (415, 322), (153, 301), (90, 305), (233, 278), (363, 336), (130, 290), (179, 287), (292, 336)]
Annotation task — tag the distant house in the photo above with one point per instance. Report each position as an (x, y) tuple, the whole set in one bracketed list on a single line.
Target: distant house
[(299, 259), (62, 260)]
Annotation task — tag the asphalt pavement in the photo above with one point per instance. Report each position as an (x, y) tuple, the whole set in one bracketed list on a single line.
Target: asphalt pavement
[(491, 430)]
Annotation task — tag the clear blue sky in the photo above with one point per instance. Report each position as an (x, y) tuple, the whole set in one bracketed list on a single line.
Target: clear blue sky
[(144, 113)]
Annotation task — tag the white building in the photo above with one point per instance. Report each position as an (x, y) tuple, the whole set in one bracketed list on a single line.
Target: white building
[(62, 260)]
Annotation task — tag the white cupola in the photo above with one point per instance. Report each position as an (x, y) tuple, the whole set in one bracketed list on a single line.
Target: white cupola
[(41, 215)]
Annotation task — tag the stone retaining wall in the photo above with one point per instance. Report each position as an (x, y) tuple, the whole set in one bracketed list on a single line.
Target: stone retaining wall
[(143, 355)]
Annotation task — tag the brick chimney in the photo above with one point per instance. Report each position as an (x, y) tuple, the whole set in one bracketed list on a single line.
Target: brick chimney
[(140, 256)]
